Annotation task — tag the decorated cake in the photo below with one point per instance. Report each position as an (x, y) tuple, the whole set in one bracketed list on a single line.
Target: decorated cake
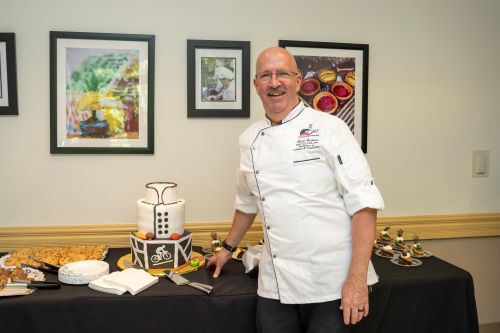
[(161, 240)]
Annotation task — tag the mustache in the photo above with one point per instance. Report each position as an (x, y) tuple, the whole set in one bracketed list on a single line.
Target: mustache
[(275, 91)]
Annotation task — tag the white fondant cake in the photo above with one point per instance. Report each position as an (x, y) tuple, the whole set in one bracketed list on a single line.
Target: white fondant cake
[(161, 217)]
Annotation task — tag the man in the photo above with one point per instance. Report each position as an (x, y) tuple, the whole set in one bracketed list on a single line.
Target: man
[(225, 89), (306, 174)]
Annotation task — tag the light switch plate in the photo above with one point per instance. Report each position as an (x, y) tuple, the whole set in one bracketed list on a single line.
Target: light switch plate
[(480, 163)]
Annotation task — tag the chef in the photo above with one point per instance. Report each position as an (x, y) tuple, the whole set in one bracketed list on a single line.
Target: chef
[(306, 175), (225, 89)]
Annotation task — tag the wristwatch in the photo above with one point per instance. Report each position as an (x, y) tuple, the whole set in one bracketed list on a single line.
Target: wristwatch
[(228, 247)]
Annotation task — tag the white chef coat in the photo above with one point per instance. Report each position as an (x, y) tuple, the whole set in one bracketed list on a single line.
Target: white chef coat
[(306, 177)]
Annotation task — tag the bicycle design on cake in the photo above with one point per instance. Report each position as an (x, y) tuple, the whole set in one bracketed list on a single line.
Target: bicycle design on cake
[(162, 256)]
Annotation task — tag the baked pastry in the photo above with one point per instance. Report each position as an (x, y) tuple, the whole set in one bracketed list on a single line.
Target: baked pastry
[(327, 75), (385, 235), (325, 102), (56, 256), (386, 251), (417, 248), (350, 78), (405, 258), (342, 91), (309, 87)]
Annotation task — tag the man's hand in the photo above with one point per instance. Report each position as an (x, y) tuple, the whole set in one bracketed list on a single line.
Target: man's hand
[(241, 223), (354, 299), (218, 261)]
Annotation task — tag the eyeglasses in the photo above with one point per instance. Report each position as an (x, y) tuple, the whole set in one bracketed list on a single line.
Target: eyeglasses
[(281, 75)]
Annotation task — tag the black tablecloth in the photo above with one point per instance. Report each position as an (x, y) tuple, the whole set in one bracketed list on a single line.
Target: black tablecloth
[(434, 297)]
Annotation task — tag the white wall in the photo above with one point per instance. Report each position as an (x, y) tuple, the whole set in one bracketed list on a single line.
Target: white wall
[(434, 82), (433, 86)]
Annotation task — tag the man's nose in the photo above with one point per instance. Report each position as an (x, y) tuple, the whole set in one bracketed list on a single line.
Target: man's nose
[(274, 82)]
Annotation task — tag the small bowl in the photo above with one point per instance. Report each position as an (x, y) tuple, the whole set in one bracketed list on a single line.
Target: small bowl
[(309, 87), (342, 91), (325, 102), (350, 78), (327, 75)]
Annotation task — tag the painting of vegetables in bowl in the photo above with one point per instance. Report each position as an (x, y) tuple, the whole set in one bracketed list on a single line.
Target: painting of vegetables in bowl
[(334, 81), (101, 93)]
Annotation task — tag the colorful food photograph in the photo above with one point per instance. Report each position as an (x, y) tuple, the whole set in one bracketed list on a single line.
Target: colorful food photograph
[(328, 85)]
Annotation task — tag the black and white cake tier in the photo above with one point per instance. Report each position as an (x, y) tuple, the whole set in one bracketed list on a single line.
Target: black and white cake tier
[(161, 241)]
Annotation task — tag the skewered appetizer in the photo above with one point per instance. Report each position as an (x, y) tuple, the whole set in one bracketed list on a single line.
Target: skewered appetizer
[(400, 242), (384, 235), (417, 248)]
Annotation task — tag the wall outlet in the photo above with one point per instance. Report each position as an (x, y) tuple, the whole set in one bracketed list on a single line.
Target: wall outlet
[(480, 163)]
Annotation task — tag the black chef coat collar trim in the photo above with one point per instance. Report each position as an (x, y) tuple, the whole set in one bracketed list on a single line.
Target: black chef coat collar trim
[(297, 109)]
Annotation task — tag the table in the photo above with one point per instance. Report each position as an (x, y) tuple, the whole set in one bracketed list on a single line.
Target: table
[(434, 297)]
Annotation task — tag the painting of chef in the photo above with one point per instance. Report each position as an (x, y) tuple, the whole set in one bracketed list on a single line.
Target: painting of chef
[(218, 79)]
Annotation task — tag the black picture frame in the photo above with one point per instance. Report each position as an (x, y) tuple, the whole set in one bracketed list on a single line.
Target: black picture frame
[(101, 93), (207, 94), (342, 62), (8, 74)]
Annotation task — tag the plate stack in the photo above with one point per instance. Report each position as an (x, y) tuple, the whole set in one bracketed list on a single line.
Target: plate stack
[(83, 272)]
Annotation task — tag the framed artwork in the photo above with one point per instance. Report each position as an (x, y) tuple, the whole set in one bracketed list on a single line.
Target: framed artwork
[(218, 78), (8, 75), (335, 80), (101, 93)]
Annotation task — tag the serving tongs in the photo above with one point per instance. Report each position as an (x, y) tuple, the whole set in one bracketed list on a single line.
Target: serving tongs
[(45, 266), (180, 281)]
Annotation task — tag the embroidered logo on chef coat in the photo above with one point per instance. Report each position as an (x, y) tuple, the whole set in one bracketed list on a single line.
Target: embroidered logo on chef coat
[(308, 131), (308, 139)]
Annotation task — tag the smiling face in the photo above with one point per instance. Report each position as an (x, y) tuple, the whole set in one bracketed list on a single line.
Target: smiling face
[(279, 94)]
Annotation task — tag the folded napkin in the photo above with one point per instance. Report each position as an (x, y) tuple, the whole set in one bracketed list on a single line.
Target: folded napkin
[(251, 257), (106, 287), (131, 279)]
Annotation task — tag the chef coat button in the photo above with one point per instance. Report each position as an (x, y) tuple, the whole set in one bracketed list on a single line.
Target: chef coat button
[(263, 199), (256, 172), (262, 133), (268, 228), (274, 256), (254, 147)]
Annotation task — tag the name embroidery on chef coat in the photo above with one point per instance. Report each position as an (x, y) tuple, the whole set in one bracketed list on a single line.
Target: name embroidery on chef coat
[(308, 139)]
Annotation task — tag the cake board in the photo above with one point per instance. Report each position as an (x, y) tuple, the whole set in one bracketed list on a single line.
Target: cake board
[(183, 269)]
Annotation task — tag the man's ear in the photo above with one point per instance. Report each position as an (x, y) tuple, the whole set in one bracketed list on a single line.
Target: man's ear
[(299, 82)]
